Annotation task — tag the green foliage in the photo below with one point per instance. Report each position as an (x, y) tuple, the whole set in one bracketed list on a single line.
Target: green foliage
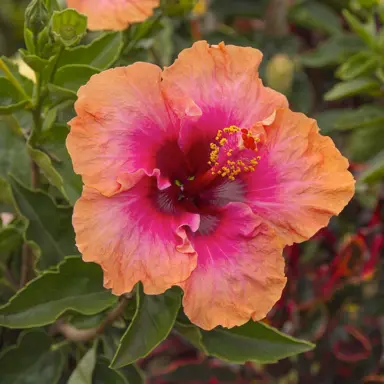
[(58, 324), (156, 314), (75, 286), (32, 360)]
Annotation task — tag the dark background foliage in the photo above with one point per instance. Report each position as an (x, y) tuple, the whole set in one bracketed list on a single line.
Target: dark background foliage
[(64, 327)]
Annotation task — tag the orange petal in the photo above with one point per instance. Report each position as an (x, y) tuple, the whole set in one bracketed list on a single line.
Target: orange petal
[(223, 81), (240, 271), (301, 180), (114, 14), (133, 239), (122, 120)]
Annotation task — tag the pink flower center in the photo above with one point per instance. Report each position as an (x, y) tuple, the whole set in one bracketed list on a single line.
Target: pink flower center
[(233, 151)]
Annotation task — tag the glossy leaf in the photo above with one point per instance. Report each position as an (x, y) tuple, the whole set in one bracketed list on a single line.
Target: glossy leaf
[(14, 156), (50, 226), (75, 286), (73, 76), (101, 53), (156, 315), (351, 88), (252, 342), (83, 372), (32, 360)]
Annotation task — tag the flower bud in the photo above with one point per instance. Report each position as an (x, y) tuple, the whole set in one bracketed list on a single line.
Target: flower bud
[(68, 26), (36, 16), (280, 72)]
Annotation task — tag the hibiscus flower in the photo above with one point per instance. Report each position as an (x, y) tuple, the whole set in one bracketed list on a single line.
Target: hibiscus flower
[(114, 14), (198, 176)]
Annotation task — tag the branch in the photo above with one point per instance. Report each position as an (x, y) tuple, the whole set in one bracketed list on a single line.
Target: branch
[(81, 335)]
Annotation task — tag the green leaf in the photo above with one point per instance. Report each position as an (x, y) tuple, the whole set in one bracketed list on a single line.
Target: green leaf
[(11, 239), (156, 315), (191, 333), (73, 76), (374, 171), (252, 342), (38, 64), (352, 88), (84, 370), (315, 15), (68, 26), (364, 116), (133, 374), (333, 51), (32, 360), (327, 119), (10, 98), (365, 143), (365, 31), (14, 156), (53, 143), (50, 226), (105, 375), (45, 165), (58, 94), (75, 286), (101, 53), (10, 70), (362, 63), (302, 95)]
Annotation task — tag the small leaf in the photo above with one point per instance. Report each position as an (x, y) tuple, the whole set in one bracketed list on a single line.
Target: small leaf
[(252, 342), (365, 31), (14, 156), (105, 375), (50, 226), (32, 360), (53, 142), (365, 143), (312, 14), (73, 76), (374, 171), (327, 119), (84, 370), (68, 26), (364, 116), (351, 88), (333, 51), (36, 63), (75, 285), (11, 239), (361, 63), (101, 53), (156, 315), (58, 94), (45, 165), (10, 98)]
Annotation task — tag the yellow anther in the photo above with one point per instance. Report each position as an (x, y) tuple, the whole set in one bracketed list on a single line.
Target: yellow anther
[(223, 141)]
